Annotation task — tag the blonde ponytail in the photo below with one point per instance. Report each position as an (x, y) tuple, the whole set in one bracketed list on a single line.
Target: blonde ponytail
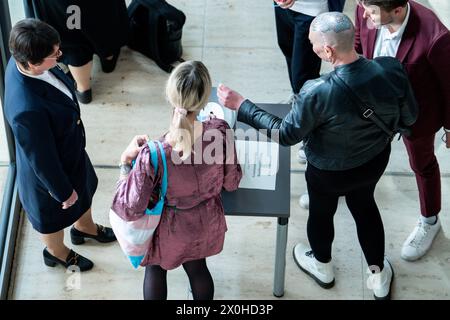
[(187, 90)]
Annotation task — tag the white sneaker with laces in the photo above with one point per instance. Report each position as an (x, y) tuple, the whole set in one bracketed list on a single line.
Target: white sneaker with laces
[(381, 282), (322, 273), (304, 201), (420, 240), (301, 155)]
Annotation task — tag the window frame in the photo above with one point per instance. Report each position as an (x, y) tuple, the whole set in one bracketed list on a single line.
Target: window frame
[(10, 209)]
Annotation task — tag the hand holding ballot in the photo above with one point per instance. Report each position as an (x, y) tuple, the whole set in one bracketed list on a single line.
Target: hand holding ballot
[(229, 98)]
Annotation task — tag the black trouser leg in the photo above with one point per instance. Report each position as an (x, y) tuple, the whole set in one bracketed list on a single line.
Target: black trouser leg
[(305, 64), (202, 284), (285, 36), (293, 39), (368, 224), (320, 227), (358, 186)]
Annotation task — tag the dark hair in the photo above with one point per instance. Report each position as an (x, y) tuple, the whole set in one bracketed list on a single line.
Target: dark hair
[(386, 5), (32, 40)]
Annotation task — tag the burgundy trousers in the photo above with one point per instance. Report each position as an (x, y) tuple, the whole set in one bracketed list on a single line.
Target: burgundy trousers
[(424, 164)]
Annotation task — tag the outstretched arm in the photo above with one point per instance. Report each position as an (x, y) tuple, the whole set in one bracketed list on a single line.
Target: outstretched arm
[(301, 120)]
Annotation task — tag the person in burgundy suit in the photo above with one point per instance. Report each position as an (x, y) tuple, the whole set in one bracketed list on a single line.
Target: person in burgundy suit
[(415, 36)]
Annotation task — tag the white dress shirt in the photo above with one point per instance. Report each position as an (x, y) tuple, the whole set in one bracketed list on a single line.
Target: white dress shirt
[(387, 43), (310, 7), (50, 78)]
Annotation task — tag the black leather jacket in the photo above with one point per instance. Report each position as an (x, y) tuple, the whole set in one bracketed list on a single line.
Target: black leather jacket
[(336, 136)]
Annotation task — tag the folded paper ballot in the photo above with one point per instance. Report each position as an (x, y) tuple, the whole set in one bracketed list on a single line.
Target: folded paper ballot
[(213, 108)]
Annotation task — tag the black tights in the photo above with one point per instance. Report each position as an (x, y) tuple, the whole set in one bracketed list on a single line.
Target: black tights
[(358, 186), (202, 284), (368, 221)]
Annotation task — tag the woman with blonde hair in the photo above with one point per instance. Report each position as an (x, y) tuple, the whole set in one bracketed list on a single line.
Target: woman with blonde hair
[(192, 225)]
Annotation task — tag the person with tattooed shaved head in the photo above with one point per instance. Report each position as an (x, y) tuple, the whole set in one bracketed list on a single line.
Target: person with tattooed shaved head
[(347, 119)]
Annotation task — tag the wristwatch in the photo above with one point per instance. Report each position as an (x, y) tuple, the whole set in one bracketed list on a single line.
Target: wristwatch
[(125, 168)]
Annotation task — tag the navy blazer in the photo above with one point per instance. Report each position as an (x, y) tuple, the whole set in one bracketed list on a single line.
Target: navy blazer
[(50, 149)]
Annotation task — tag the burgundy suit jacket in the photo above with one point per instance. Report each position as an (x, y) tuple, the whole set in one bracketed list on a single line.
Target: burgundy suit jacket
[(424, 51)]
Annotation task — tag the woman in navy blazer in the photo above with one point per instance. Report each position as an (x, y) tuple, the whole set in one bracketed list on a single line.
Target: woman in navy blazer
[(56, 179)]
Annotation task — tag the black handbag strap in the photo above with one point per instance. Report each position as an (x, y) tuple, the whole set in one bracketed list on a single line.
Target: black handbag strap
[(366, 111)]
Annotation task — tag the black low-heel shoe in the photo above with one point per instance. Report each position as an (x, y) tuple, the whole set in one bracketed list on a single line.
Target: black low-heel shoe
[(73, 261), (84, 97), (104, 235)]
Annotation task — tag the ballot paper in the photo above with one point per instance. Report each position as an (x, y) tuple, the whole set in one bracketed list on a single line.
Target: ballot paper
[(259, 163), (213, 108)]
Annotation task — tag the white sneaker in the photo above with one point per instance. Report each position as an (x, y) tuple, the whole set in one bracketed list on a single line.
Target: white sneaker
[(301, 155), (304, 201), (322, 273), (420, 240), (381, 282)]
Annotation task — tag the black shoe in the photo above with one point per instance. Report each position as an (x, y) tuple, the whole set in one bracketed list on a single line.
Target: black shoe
[(73, 259), (108, 65), (84, 97), (104, 235)]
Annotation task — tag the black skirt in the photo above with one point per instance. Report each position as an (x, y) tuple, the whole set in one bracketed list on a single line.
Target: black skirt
[(54, 218), (104, 27)]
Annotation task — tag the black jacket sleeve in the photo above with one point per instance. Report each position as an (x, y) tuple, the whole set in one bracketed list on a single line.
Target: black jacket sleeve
[(297, 124)]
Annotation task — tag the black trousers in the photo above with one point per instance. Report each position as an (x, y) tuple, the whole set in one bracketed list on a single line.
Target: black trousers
[(292, 33), (357, 186)]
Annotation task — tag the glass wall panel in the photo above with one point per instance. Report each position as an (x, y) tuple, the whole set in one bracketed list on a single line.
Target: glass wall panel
[(16, 10), (4, 158), (16, 13)]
